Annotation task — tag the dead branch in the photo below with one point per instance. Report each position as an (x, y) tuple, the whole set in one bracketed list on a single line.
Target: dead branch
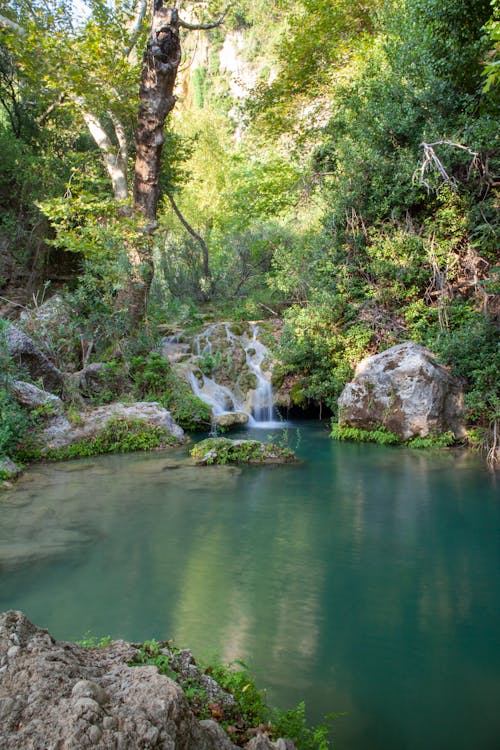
[(204, 26), (431, 162)]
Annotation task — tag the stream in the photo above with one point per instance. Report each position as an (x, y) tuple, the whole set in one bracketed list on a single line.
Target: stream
[(364, 580)]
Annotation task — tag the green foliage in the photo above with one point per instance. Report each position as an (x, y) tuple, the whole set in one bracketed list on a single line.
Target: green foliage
[(356, 434), (444, 440), (385, 437), (249, 709), (91, 641), (118, 436), (472, 350), (154, 380), (14, 423)]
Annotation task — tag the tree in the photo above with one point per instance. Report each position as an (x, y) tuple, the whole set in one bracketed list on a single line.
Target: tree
[(92, 70)]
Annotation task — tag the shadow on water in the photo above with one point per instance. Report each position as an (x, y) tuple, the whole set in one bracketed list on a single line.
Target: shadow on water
[(363, 579)]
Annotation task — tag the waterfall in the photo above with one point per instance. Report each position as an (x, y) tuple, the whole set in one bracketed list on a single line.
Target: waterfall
[(221, 342), (263, 408)]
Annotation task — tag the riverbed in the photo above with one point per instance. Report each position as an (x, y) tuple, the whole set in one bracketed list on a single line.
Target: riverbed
[(364, 579)]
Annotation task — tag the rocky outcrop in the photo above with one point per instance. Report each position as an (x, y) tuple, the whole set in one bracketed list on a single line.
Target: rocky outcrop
[(61, 433), (32, 397), (59, 695), (28, 356), (405, 390)]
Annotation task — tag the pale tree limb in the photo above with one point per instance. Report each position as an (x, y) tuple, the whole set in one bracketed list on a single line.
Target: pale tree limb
[(135, 28), (112, 159), (6, 23)]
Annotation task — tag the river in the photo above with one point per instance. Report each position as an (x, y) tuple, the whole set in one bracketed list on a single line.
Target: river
[(364, 579)]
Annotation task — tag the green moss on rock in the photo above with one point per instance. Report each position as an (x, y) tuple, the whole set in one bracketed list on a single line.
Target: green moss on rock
[(225, 451)]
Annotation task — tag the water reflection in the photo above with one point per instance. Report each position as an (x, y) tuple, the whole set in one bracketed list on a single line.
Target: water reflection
[(364, 579)]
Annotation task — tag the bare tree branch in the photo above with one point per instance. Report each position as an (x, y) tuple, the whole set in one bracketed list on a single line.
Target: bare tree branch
[(204, 26), (194, 234), (43, 118), (431, 161)]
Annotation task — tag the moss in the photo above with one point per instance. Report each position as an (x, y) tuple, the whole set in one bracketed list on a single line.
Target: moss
[(236, 329), (225, 451)]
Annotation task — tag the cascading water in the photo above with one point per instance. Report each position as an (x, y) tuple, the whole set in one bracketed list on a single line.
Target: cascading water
[(221, 344), (263, 409)]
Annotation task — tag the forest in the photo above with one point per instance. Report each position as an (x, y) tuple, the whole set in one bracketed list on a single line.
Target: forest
[(330, 164)]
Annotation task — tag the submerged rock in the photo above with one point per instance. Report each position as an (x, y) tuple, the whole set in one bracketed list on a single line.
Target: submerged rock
[(405, 390), (225, 451), (57, 694)]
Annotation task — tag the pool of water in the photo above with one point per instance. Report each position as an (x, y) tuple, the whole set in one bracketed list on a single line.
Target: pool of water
[(364, 579)]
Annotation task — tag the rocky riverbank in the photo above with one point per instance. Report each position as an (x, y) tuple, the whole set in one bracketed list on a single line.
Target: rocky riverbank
[(55, 694)]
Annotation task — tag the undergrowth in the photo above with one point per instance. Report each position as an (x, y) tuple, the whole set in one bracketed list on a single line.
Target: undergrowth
[(248, 713), (119, 436), (384, 437)]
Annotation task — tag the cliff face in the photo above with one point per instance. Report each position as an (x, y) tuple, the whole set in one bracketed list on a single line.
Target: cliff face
[(60, 695)]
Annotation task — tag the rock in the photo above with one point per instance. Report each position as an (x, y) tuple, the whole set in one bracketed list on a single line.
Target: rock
[(231, 419), (60, 695), (29, 395), (261, 741), (52, 326), (225, 451), (56, 694), (8, 469), (26, 354), (60, 433), (405, 390)]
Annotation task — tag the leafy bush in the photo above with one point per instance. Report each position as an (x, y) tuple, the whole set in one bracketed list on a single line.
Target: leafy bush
[(381, 435), (13, 423), (153, 380)]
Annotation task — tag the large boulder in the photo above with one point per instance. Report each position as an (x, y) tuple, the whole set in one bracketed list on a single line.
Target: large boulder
[(28, 356), (405, 390), (61, 433)]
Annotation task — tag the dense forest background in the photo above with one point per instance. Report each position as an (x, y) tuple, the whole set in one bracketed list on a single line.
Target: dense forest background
[(330, 163)]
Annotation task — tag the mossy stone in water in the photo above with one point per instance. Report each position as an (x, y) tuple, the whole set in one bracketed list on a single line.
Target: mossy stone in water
[(225, 451)]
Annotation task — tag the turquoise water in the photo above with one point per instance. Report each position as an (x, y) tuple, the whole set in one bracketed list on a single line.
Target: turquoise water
[(364, 579)]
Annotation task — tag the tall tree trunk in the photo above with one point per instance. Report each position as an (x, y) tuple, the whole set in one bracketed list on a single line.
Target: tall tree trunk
[(159, 72), (161, 60)]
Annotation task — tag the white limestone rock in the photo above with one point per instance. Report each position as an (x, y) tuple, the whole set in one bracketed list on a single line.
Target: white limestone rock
[(405, 390)]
